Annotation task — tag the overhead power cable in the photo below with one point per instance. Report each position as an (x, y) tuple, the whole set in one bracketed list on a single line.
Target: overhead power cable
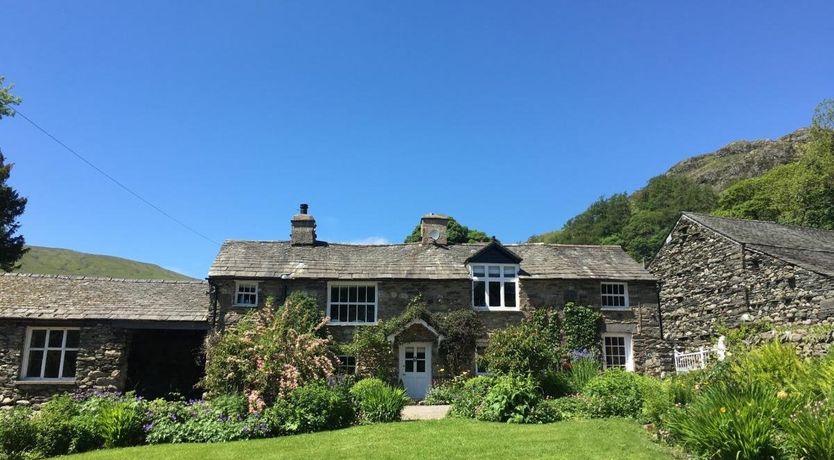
[(116, 181)]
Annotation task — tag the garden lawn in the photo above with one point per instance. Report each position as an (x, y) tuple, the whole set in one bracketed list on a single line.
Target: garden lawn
[(448, 439)]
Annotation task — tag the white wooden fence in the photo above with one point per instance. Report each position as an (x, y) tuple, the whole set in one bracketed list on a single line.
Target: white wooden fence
[(685, 362)]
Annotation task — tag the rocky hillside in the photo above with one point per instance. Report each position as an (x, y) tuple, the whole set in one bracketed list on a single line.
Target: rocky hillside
[(55, 261), (740, 160)]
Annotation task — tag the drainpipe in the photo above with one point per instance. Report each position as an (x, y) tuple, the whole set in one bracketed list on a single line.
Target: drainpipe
[(213, 299)]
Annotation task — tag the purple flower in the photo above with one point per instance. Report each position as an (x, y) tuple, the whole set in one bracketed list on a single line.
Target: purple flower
[(147, 427)]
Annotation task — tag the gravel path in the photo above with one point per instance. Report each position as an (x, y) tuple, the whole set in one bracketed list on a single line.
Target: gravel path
[(425, 412)]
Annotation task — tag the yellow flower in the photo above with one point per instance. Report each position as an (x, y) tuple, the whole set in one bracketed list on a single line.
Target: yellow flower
[(782, 395), (723, 410)]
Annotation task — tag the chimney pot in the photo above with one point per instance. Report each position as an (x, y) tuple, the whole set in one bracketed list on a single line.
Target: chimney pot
[(303, 228), (303, 208)]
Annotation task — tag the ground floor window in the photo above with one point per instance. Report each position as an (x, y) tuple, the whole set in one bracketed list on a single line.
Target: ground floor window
[(415, 359), (347, 365), (616, 351), (481, 367), (50, 353)]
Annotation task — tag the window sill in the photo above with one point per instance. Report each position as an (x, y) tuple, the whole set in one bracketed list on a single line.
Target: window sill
[(45, 382), (244, 305), (509, 309), (351, 324), (615, 308)]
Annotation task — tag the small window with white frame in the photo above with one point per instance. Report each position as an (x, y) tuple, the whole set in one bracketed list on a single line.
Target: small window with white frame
[(616, 351), (481, 366), (347, 365), (352, 303), (494, 286), (614, 295), (246, 294), (50, 353)]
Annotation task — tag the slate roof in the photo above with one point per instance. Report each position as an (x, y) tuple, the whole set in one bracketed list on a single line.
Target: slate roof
[(46, 297), (810, 248), (274, 259)]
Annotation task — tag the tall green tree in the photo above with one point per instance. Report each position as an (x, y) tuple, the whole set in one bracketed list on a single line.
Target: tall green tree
[(11, 203), (456, 234), (603, 219)]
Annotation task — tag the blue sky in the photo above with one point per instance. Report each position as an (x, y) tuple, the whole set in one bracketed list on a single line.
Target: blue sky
[(510, 116)]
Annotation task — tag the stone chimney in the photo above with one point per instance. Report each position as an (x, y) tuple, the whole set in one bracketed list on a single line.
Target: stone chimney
[(303, 228), (433, 229)]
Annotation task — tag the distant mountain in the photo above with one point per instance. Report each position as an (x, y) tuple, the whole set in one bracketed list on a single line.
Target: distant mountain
[(740, 160), (56, 261)]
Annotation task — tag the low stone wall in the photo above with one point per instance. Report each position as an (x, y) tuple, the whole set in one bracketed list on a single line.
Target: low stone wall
[(101, 363)]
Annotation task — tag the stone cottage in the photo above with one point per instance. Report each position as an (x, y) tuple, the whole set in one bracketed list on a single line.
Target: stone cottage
[(723, 271), (75, 334), (358, 285)]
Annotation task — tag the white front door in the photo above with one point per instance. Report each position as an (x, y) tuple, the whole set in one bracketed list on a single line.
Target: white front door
[(415, 368)]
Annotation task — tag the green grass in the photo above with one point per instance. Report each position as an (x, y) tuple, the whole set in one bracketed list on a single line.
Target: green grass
[(54, 261), (447, 439)]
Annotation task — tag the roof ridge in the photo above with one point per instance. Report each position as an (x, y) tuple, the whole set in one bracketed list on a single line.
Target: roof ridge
[(739, 219), (102, 278)]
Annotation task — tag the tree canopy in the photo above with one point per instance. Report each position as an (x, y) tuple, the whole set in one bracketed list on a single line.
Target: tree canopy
[(11, 203), (456, 234)]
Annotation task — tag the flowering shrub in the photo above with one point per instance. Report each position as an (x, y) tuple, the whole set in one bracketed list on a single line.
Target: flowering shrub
[(270, 352), (810, 431), (199, 421), (471, 396)]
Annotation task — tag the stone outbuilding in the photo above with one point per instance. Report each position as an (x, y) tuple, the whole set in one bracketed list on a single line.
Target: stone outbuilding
[(718, 271), (76, 334), (359, 285)]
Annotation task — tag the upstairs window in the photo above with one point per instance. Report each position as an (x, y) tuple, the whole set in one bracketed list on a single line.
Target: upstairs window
[(352, 303), (50, 353), (246, 294), (494, 286), (614, 295)]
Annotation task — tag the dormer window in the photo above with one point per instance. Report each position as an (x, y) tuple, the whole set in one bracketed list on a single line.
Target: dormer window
[(494, 286), (246, 294)]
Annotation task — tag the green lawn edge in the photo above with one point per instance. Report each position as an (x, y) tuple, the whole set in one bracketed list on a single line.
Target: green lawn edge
[(449, 439)]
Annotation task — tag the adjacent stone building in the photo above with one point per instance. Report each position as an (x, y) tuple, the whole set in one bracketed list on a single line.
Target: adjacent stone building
[(723, 271), (358, 285), (75, 334)]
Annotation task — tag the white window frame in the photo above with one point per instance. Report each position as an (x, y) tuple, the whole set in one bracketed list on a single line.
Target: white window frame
[(627, 343), (240, 283), (27, 348), (626, 305), (501, 279), (375, 303), (479, 344)]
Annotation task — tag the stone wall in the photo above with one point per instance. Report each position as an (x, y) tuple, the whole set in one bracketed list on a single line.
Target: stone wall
[(446, 295), (709, 281), (101, 363)]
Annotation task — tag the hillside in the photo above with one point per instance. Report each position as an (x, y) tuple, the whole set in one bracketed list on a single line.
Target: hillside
[(55, 261), (788, 180), (740, 160)]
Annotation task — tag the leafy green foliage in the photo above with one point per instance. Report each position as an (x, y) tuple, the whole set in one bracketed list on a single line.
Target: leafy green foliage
[(569, 407), (311, 408), (522, 350), (270, 352), (461, 329), (810, 431), (199, 421), (378, 402), (471, 396), (732, 421), (12, 204), (447, 392), (18, 433), (456, 234), (604, 218), (374, 353), (639, 223), (615, 393), (581, 328), (774, 364), (512, 399)]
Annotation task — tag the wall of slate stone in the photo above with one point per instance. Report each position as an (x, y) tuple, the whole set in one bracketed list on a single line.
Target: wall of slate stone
[(446, 295), (101, 363), (709, 281)]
